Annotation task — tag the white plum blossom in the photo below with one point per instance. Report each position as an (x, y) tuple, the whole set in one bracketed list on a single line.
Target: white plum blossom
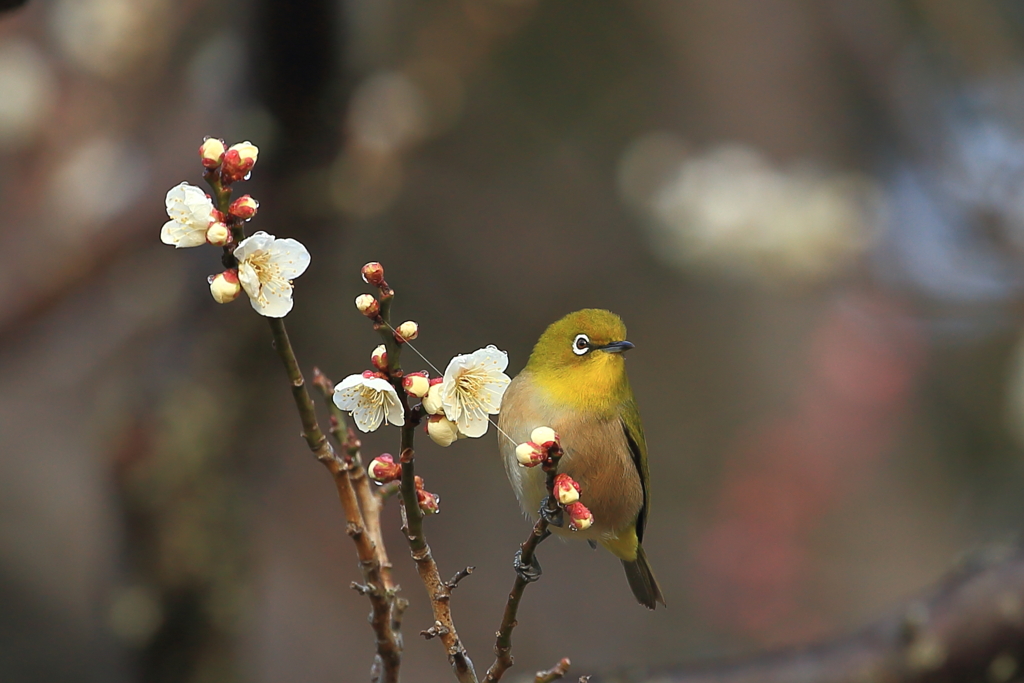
[(371, 400), (472, 389), (191, 213), (266, 266)]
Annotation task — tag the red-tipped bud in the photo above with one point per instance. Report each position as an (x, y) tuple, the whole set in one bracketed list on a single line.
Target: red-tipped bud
[(442, 431), (383, 468), (211, 152), (407, 331), (530, 454), (544, 436), (429, 502), (368, 305), (416, 384), (218, 234), (244, 207), (580, 517), (566, 489), (432, 400), (373, 273), (379, 358), (225, 287), (238, 161)]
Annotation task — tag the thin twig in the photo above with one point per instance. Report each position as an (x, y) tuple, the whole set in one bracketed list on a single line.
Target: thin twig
[(459, 576), (554, 673), (503, 642), (388, 643)]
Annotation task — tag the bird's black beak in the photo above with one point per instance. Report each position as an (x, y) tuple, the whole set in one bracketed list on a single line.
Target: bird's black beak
[(617, 347)]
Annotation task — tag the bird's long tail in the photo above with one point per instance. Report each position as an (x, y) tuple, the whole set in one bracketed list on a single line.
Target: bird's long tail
[(641, 580)]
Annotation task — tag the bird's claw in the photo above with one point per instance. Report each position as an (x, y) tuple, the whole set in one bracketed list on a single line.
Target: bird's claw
[(528, 573), (554, 516)]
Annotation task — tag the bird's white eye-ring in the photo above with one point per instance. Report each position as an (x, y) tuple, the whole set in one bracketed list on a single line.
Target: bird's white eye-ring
[(581, 344)]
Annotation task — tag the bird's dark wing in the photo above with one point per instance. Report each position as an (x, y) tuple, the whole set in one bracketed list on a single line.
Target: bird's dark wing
[(634, 430)]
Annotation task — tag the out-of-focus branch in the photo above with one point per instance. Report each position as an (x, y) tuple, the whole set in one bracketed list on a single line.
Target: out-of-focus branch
[(389, 649), (970, 628), (369, 503), (554, 673)]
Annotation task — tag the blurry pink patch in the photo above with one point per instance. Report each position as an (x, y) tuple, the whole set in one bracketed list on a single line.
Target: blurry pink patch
[(785, 475)]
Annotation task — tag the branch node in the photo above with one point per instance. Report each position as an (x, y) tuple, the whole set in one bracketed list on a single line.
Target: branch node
[(438, 629)]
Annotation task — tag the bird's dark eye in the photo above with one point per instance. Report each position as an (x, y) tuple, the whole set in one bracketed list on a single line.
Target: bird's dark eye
[(581, 344)]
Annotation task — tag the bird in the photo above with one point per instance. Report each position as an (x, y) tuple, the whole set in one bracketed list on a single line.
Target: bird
[(575, 382)]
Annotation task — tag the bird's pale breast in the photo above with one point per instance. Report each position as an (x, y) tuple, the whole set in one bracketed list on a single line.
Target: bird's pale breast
[(597, 456)]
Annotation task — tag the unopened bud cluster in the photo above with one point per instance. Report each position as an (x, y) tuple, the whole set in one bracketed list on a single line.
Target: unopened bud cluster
[(384, 469), (429, 502), (543, 442), (538, 448)]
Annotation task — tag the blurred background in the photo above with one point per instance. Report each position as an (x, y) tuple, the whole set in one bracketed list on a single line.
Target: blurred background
[(810, 215)]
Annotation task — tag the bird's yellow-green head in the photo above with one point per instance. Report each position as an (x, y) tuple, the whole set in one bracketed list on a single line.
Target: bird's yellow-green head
[(578, 360)]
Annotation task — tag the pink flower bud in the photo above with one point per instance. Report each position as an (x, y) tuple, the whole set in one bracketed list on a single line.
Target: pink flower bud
[(442, 431), (218, 234), (566, 489), (416, 384), (368, 305), (211, 152), (530, 454), (379, 358), (580, 517), (544, 436), (383, 468), (238, 161), (428, 501), (244, 207), (432, 400), (373, 273), (225, 286), (407, 331)]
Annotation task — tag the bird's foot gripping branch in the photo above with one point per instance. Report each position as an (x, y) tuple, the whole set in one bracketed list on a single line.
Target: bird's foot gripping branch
[(451, 405)]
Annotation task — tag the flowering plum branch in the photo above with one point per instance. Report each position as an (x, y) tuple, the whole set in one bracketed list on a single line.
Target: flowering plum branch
[(458, 404)]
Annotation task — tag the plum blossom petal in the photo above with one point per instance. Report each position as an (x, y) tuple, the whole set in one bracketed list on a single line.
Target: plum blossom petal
[(266, 266), (472, 389), (191, 213), (371, 400)]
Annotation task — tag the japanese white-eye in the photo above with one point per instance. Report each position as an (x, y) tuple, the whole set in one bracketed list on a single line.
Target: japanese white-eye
[(575, 382)]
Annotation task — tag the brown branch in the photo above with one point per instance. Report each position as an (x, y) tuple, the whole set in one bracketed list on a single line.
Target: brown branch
[(970, 628), (437, 590), (503, 642), (389, 650)]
